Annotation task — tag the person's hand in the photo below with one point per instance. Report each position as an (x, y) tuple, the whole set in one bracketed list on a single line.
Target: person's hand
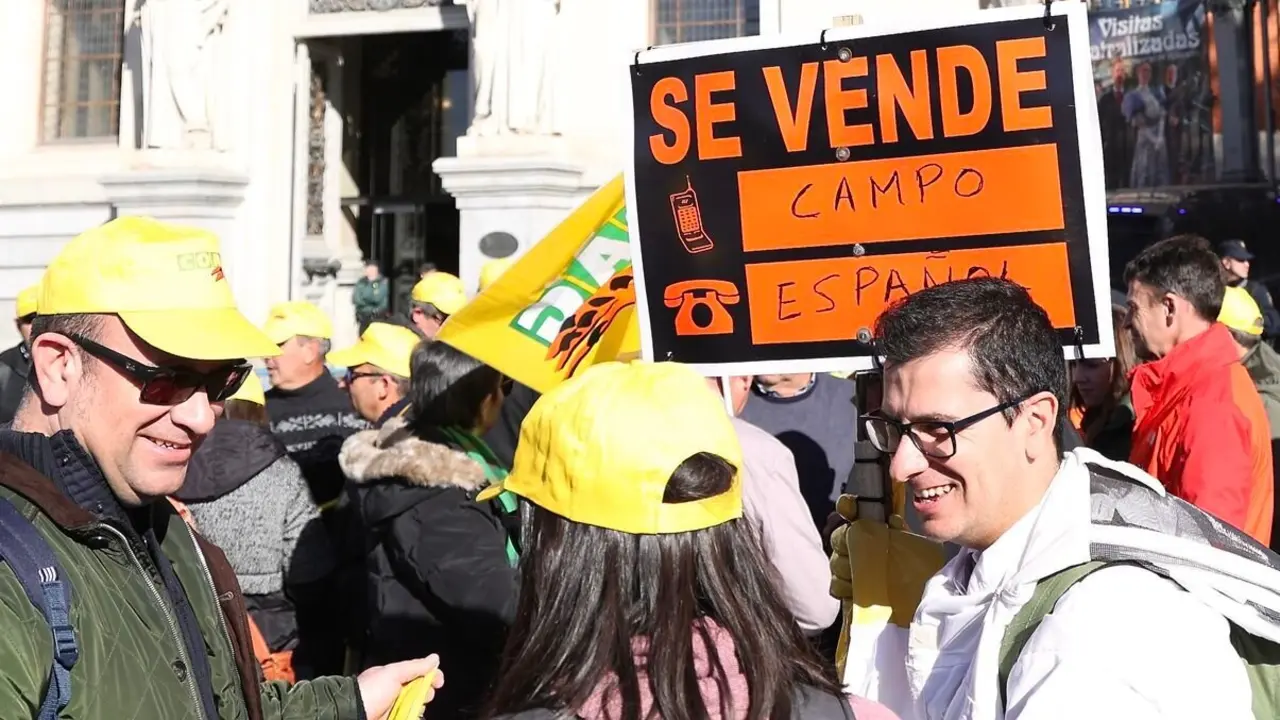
[(380, 686)]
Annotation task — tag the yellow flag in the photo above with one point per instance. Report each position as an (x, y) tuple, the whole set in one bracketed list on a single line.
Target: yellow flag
[(567, 303)]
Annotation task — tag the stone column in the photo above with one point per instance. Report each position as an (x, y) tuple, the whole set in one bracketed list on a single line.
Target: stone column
[(515, 185)]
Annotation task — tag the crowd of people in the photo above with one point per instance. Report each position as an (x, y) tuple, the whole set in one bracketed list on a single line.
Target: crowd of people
[(182, 543)]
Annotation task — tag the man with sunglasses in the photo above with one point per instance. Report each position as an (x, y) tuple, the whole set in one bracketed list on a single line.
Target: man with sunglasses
[(974, 389), (136, 345)]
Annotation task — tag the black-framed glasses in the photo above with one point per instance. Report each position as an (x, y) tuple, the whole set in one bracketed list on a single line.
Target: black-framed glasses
[(169, 386), (353, 376), (934, 438), (507, 385)]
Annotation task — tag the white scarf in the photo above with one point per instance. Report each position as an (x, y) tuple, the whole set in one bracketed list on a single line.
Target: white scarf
[(953, 652)]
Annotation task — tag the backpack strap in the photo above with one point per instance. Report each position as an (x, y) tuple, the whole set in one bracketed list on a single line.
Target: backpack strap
[(46, 585), (1048, 591)]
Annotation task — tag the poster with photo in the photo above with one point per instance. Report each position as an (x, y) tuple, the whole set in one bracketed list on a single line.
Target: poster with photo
[(1151, 76)]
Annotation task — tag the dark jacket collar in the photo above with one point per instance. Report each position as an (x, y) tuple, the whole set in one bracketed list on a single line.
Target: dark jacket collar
[(324, 385), (59, 476), (400, 408)]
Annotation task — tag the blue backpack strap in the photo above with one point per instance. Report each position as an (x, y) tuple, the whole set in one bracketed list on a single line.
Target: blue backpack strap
[(46, 585)]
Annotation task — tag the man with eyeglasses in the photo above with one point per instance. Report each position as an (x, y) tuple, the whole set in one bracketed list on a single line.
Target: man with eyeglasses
[(974, 389), (136, 345), (378, 369)]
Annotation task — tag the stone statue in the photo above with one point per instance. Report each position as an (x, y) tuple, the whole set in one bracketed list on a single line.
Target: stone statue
[(514, 45), (181, 41)]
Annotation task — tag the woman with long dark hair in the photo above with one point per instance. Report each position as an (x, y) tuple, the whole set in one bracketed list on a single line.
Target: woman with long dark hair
[(1100, 395), (644, 593), (439, 567)]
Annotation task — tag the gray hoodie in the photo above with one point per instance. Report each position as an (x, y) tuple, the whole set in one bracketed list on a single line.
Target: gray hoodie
[(250, 499)]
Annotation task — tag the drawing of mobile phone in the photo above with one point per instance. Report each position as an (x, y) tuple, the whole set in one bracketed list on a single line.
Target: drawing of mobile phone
[(688, 216)]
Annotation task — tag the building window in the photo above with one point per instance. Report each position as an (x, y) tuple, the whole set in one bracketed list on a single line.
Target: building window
[(679, 21), (82, 61)]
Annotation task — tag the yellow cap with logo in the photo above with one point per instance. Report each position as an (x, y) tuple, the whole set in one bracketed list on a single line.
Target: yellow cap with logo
[(1240, 311), (443, 290), (297, 317), (389, 347), (27, 302), (492, 270), (251, 391), (164, 281), (599, 449)]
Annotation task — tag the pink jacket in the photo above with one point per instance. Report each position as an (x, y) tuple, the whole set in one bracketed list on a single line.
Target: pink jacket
[(606, 704)]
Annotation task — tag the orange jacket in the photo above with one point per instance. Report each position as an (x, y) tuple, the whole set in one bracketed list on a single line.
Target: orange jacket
[(1202, 431)]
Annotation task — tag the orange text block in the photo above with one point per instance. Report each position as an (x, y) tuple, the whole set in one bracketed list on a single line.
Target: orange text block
[(929, 196), (832, 299)]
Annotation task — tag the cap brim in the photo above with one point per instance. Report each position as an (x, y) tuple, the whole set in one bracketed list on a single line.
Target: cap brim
[(490, 492), (449, 305), (348, 357), (216, 334)]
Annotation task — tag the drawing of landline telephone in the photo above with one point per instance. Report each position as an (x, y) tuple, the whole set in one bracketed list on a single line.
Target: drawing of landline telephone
[(701, 306), (688, 214)]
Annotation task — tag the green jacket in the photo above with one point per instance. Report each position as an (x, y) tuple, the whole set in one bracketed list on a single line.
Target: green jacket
[(132, 661), (1263, 365), (371, 297)]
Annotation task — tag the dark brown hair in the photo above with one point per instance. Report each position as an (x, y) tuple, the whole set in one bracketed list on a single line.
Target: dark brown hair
[(1012, 346), (587, 592), (1184, 265), (1126, 359)]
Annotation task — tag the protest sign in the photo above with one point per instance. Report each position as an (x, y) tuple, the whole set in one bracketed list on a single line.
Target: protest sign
[(783, 193)]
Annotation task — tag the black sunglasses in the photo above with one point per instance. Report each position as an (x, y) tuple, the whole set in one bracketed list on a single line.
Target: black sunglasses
[(507, 385), (934, 438), (169, 386)]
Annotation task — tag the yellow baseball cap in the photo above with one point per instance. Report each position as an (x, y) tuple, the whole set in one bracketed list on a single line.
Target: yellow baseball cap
[(1240, 311), (27, 302), (492, 270), (443, 290), (297, 317), (164, 281), (599, 449), (251, 391), (387, 346)]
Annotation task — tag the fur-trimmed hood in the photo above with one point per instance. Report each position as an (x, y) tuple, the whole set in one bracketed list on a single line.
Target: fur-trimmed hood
[(395, 452)]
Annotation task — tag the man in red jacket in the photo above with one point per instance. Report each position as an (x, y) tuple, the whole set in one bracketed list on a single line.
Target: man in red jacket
[(1201, 428)]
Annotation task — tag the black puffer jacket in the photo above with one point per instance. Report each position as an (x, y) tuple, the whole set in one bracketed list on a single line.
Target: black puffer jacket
[(437, 574)]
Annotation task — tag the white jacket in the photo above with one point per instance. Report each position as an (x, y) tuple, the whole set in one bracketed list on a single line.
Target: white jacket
[(1123, 643)]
